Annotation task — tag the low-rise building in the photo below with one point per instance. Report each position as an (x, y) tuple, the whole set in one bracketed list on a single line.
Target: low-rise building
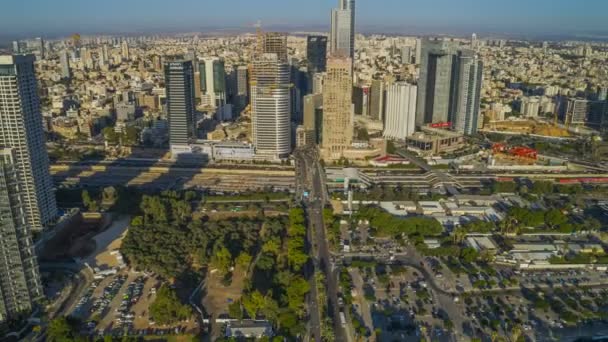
[(249, 329)]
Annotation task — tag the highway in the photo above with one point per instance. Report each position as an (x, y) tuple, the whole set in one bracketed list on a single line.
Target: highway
[(314, 210), (303, 184)]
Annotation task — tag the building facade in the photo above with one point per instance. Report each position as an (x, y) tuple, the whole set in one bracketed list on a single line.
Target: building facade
[(467, 92), (179, 83), (435, 81), (400, 111), (343, 29), (22, 130), (212, 80), (377, 100), (337, 108), (316, 53), (270, 107), (20, 285)]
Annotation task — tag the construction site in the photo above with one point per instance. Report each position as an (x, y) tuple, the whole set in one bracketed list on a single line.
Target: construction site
[(528, 127)]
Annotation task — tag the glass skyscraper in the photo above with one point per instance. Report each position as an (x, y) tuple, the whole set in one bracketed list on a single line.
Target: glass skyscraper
[(179, 83)]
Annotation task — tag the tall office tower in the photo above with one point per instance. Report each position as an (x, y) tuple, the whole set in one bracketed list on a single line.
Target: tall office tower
[(240, 88), (299, 79), (103, 55), (21, 130), (179, 83), (64, 61), (273, 42), (361, 94), (316, 53), (87, 58), (575, 111), (435, 82), (270, 107), (313, 118), (191, 56), (467, 81), (406, 55), (16, 48), (377, 100), (400, 111), (20, 284), (337, 108), (158, 64), (213, 82), (40, 48), (342, 29), (418, 51), (474, 41), (124, 51)]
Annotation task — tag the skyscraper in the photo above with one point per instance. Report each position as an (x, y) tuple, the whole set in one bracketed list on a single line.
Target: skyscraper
[(467, 92), (377, 100), (64, 61), (343, 29), (40, 48), (20, 284), (337, 108), (16, 47), (270, 106), (241, 80), (213, 82), (400, 119), (449, 86), (21, 130), (179, 83), (313, 116), (273, 42), (406, 54), (435, 82), (124, 50), (316, 53)]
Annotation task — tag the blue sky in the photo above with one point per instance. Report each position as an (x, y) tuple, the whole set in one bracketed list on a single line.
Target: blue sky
[(51, 17)]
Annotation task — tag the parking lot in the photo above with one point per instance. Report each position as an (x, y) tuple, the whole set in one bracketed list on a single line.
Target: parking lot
[(119, 304), (396, 300)]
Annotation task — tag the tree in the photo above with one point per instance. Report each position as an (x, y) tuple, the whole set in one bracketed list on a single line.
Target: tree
[(167, 308), (469, 254), (110, 135), (61, 330), (243, 260), (555, 218), (88, 202), (222, 260), (459, 235), (235, 310)]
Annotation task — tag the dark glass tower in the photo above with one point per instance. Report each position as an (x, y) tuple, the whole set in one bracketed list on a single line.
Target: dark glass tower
[(316, 53), (179, 82)]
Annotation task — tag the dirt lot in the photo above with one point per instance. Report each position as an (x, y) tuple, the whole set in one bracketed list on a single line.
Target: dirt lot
[(217, 296)]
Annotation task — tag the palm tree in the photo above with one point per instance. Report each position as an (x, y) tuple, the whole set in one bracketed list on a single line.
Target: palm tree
[(459, 235)]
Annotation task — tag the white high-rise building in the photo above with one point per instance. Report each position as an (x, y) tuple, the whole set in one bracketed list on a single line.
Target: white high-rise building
[(212, 80), (270, 107), (21, 130), (400, 119), (64, 61), (125, 53)]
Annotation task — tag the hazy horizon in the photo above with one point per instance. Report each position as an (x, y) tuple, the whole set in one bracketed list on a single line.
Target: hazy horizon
[(516, 18)]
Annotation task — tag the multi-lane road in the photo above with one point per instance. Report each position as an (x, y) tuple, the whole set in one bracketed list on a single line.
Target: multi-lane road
[(311, 173)]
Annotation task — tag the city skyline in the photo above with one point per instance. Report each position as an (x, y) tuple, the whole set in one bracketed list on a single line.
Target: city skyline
[(491, 17)]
